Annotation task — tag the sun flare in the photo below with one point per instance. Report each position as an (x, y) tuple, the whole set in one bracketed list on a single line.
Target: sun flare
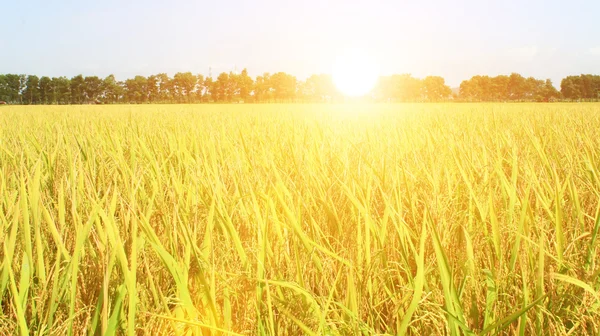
[(355, 73)]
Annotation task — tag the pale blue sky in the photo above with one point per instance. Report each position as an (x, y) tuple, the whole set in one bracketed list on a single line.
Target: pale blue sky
[(454, 39)]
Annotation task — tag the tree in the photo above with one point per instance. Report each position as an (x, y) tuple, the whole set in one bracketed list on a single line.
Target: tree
[(45, 91), (77, 89), (210, 87), (165, 87), (92, 88), (499, 90), (516, 87), (549, 91), (112, 91), (136, 90), (435, 89), (284, 86), (318, 88), (153, 89), (223, 88), (262, 88), (61, 87), (11, 88), (581, 87), (185, 85), (31, 94), (404, 88), (200, 88), (503, 88), (245, 85), (3, 88)]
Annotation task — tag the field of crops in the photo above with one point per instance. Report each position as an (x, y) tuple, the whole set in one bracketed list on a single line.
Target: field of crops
[(420, 219)]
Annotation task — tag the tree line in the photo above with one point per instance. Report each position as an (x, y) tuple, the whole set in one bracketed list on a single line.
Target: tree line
[(185, 87)]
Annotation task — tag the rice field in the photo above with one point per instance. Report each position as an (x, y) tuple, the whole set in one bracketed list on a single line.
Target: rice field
[(416, 219)]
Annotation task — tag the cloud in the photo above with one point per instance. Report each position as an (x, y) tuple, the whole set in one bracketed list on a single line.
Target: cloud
[(595, 51), (523, 54)]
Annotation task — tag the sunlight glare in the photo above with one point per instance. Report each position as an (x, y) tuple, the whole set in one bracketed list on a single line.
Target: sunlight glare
[(355, 73)]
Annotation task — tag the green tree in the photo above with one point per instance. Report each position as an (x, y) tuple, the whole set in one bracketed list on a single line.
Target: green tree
[(112, 91), (136, 90), (13, 88), (549, 91), (77, 89), (31, 93), (9, 88), (45, 91), (3, 88), (61, 87), (93, 87)]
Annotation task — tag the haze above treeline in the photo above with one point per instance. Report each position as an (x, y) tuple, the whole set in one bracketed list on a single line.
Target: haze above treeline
[(185, 87)]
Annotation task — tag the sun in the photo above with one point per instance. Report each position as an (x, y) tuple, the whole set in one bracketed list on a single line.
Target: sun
[(355, 73)]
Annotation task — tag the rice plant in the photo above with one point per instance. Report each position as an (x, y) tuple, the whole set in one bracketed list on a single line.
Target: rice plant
[(416, 219)]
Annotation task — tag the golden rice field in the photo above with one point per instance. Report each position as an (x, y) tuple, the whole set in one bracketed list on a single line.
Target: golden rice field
[(418, 219)]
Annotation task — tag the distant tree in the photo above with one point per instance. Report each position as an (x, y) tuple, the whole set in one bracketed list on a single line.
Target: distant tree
[(434, 88), (136, 90), (4, 92), (262, 88), (504, 88), (77, 89), (484, 87), (165, 87), (468, 90), (284, 86), (153, 89), (92, 88), (549, 91), (61, 87), (112, 91), (570, 88), (210, 89), (200, 89), (400, 88), (31, 93), (245, 85), (581, 87), (319, 88), (184, 84), (12, 88), (499, 90), (223, 88), (185, 87), (516, 86), (590, 86), (45, 90)]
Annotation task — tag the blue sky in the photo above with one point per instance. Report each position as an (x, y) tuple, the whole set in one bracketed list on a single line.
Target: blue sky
[(454, 39)]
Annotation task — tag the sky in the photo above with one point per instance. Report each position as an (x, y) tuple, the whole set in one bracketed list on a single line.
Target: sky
[(453, 39)]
